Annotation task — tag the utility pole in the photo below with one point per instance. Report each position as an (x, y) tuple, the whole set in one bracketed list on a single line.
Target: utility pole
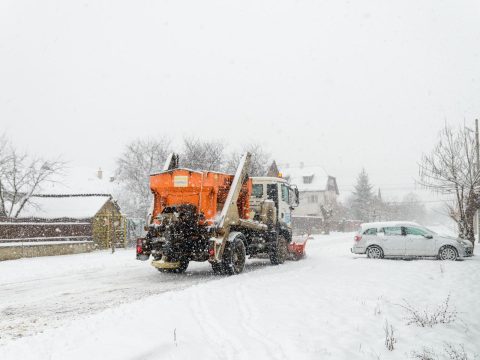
[(477, 143)]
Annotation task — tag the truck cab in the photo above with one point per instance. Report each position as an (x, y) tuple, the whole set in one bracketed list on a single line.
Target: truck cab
[(284, 195)]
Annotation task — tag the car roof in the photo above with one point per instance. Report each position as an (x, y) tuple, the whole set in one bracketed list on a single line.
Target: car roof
[(387, 224)]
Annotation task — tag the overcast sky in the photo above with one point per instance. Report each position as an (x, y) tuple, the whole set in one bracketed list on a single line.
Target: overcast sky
[(343, 84)]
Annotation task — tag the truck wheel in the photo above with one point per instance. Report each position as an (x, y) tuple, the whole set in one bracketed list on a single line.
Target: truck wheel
[(234, 257), (183, 267), (218, 268), (280, 251)]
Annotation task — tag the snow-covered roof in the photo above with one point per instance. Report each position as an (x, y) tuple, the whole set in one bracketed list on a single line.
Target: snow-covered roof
[(64, 206), (310, 178)]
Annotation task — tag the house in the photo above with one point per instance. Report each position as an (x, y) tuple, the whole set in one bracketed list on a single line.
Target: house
[(316, 188), (318, 196), (75, 213), (99, 210)]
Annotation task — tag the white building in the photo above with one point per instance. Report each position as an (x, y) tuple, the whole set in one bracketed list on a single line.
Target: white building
[(316, 188)]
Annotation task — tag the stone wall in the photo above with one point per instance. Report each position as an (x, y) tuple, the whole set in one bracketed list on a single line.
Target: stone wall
[(41, 230), (25, 251)]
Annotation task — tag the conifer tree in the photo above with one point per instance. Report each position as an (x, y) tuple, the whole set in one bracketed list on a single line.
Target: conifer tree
[(363, 198)]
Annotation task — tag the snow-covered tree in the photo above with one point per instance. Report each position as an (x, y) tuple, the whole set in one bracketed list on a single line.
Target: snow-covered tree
[(363, 198), (139, 159), (412, 208)]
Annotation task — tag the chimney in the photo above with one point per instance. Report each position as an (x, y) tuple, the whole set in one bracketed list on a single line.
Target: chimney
[(100, 173), (301, 164)]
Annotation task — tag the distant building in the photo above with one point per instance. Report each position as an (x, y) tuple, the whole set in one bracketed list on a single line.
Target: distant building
[(315, 187), (318, 196)]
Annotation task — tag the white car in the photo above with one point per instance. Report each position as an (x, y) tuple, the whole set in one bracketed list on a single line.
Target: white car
[(407, 239)]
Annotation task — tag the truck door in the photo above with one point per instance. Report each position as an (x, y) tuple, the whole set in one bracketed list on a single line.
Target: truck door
[(285, 214)]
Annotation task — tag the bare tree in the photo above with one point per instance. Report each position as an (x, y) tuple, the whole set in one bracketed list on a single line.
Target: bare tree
[(259, 163), (21, 176), (412, 208), (4, 160), (202, 155), (138, 161), (450, 169)]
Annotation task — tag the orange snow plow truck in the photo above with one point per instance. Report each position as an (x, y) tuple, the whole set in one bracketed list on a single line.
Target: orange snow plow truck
[(216, 217)]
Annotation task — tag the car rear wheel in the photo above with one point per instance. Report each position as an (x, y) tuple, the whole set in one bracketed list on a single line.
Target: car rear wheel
[(448, 253), (375, 252)]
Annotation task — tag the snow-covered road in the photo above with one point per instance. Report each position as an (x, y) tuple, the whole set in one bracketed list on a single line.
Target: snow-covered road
[(331, 305), (46, 292)]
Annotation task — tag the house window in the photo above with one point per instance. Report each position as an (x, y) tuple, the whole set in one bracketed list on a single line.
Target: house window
[(308, 179), (312, 199)]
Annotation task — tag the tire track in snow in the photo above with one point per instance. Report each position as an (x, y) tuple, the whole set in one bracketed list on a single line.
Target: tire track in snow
[(248, 317), (205, 317)]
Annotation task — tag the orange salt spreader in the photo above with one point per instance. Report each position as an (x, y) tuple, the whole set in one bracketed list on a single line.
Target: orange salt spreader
[(217, 217)]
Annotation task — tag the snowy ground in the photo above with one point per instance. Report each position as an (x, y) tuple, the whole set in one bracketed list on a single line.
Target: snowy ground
[(331, 305)]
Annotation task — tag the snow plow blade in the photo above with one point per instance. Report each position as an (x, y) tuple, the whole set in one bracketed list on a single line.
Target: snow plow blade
[(296, 249)]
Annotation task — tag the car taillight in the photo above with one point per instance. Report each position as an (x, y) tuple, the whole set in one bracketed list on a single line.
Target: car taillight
[(358, 237), (139, 246)]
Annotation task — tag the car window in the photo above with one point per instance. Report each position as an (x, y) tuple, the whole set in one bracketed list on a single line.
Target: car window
[(428, 231), (389, 231), (372, 231), (257, 190), (415, 231)]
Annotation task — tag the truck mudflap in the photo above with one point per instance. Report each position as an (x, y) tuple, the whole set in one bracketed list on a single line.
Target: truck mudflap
[(296, 249)]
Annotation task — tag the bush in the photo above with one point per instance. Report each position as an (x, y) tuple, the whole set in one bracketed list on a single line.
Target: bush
[(441, 315)]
